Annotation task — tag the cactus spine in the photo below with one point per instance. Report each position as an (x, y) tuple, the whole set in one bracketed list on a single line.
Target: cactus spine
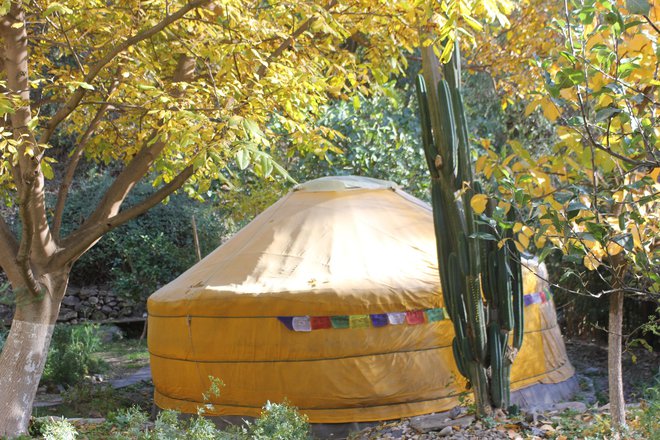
[(481, 282)]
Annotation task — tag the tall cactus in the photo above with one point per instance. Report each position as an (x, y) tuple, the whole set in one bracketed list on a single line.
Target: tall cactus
[(481, 282)]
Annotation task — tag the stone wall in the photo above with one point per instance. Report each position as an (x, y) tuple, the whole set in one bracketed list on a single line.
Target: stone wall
[(94, 303)]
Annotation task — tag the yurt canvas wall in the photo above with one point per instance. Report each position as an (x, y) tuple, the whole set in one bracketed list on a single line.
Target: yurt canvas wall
[(331, 299)]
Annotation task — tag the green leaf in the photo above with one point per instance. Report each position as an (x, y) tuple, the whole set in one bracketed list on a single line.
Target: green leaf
[(606, 113), (484, 236), (47, 170), (641, 7), (266, 165), (56, 7), (356, 103), (243, 158)]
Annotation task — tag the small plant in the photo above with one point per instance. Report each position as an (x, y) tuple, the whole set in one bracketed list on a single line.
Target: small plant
[(650, 410), (83, 396), (279, 421), (71, 355), (128, 423), (58, 429)]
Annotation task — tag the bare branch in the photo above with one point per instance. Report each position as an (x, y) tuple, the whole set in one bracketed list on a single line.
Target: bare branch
[(79, 93), (25, 246)]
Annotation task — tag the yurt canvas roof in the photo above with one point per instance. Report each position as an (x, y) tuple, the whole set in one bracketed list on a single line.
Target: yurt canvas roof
[(340, 243)]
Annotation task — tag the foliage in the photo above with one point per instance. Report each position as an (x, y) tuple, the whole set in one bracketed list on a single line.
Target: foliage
[(649, 417), (596, 194), (379, 137), (155, 248), (71, 356), (58, 429), (279, 421), (128, 423)]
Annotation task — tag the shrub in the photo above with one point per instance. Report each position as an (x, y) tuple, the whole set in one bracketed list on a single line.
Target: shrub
[(71, 354), (128, 424), (58, 429), (650, 415), (147, 252), (279, 421)]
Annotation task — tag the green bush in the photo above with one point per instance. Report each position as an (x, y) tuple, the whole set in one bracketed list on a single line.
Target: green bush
[(71, 354), (58, 429), (151, 250), (279, 421), (650, 411)]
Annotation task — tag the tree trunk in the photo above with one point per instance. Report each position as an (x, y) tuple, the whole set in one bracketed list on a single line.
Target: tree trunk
[(24, 354), (615, 378)]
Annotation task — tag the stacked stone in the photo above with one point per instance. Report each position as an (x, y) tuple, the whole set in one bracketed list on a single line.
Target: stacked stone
[(97, 304)]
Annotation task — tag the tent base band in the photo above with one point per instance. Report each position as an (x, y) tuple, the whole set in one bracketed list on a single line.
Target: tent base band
[(537, 397)]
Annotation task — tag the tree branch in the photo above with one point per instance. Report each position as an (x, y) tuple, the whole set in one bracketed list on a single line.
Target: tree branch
[(25, 246), (73, 163), (77, 96), (84, 238)]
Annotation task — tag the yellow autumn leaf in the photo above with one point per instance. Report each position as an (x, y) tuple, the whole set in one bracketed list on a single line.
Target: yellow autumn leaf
[(517, 227), (506, 206), (532, 106), (540, 241), (614, 248), (550, 110), (519, 246), (480, 164), (478, 203), (523, 240), (590, 262)]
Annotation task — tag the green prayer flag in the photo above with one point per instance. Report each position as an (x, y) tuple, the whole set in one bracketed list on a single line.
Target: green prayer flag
[(360, 321), (433, 315), (339, 321)]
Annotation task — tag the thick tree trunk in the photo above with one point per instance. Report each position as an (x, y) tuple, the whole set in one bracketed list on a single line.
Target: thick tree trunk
[(24, 354), (615, 378)]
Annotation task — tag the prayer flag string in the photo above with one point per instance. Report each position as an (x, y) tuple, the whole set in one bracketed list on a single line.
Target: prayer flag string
[(376, 320)]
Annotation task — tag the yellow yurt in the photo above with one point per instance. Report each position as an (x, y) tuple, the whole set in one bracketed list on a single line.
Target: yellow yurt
[(331, 299)]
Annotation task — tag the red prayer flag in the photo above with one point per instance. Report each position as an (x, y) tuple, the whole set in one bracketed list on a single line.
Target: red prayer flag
[(319, 322), (415, 317)]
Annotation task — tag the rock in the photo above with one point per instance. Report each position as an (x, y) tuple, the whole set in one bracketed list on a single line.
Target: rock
[(444, 432), (437, 422), (97, 315), (127, 311), (86, 292), (72, 290), (457, 411), (93, 300), (106, 309), (67, 314), (70, 301), (573, 406)]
